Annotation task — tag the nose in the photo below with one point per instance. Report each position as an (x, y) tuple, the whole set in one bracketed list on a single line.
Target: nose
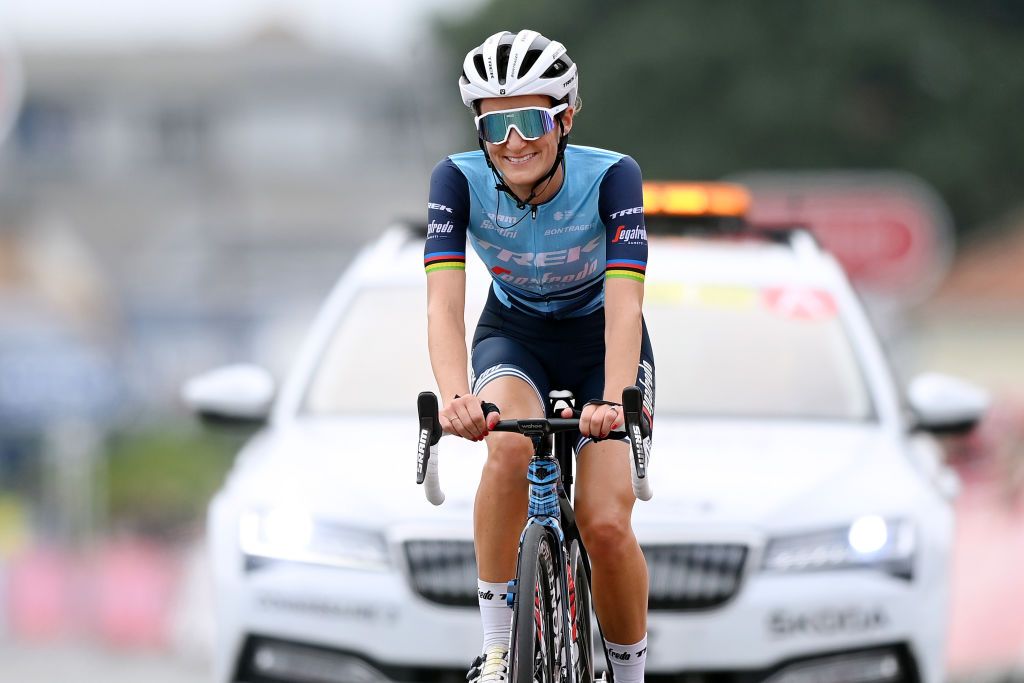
[(515, 140)]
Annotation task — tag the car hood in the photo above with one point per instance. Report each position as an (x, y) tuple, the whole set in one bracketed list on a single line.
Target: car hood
[(774, 475), (714, 473)]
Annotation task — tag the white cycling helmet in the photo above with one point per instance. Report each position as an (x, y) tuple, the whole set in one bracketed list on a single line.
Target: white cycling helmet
[(524, 63)]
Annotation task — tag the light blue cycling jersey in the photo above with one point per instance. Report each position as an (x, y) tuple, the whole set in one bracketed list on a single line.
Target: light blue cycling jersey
[(550, 259)]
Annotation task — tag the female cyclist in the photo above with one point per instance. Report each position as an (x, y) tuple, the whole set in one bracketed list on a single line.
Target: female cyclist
[(561, 229)]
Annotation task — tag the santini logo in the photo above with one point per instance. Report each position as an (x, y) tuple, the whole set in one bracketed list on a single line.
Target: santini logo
[(624, 235)]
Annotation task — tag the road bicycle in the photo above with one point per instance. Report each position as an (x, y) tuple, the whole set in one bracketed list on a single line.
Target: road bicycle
[(552, 636)]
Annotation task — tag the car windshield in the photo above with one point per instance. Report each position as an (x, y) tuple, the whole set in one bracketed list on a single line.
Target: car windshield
[(720, 351), (763, 352), (376, 360)]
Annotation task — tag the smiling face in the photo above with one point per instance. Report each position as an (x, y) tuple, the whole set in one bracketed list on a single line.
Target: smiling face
[(523, 162)]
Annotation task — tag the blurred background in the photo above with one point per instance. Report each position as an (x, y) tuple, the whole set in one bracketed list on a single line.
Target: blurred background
[(181, 184)]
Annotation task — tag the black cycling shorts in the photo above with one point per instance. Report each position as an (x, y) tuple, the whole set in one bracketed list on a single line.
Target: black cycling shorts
[(550, 354)]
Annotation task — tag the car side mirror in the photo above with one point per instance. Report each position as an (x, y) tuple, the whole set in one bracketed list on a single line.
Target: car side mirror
[(945, 404), (239, 395)]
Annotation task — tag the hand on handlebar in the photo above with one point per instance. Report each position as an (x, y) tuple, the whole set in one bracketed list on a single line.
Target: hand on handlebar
[(598, 418), (464, 416)]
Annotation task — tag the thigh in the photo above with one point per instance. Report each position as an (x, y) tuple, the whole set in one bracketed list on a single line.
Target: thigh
[(592, 386), (517, 397), (603, 482), (496, 359)]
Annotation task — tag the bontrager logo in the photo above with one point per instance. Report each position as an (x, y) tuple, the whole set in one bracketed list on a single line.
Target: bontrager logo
[(438, 207), (579, 227), (628, 235), (626, 212)]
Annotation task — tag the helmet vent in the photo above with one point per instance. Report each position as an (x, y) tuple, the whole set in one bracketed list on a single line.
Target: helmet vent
[(556, 69), (478, 62), (528, 61), (503, 53)]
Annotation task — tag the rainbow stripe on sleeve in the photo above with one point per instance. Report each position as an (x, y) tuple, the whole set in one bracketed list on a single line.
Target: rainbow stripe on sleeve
[(634, 270), (444, 260)]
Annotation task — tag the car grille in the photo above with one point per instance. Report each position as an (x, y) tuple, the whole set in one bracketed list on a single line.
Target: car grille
[(443, 571), (689, 576), (695, 575)]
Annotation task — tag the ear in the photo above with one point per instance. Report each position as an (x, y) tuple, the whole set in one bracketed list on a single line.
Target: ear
[(567, 119)]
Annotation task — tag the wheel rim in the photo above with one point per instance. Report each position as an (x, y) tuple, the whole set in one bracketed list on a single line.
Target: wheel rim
[(581, 624), (545, 612)]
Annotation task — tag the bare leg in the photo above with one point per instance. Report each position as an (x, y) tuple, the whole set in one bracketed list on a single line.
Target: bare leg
[(499, 513), (604, 507)]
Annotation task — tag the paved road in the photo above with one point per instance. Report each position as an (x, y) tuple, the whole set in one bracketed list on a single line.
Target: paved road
[(85, 664)]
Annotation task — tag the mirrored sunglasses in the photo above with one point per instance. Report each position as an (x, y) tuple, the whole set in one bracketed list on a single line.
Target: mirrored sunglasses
[(530, 122)]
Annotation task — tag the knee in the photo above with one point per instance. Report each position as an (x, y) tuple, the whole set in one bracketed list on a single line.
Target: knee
[(507, 458), (605, 533)]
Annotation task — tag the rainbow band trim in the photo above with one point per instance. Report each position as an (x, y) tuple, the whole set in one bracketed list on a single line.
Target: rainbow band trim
[(633, 270), (444, 260)]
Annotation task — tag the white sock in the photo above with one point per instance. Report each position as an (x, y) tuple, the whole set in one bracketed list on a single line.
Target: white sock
[(494, 613), (628, 661)]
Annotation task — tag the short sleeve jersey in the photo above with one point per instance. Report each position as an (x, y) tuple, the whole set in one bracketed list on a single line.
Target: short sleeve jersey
[(553, 261)]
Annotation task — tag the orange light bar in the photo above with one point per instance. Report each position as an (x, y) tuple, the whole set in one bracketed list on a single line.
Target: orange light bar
[(695, 199)]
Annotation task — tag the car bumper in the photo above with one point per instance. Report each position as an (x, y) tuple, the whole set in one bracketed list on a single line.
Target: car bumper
[(775, 625), (790, 618), (374, 614)]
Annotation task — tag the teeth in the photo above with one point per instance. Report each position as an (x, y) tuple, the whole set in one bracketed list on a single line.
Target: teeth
[(520, 160)]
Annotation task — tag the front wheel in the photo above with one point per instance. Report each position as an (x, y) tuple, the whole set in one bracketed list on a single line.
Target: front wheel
[(582, 629), (535, 615)]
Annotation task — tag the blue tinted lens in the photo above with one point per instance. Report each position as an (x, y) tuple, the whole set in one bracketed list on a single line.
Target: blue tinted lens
[(530, 123)]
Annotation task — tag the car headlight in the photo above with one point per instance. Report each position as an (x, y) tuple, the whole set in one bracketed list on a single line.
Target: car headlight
[(870, 542), (292, 534)]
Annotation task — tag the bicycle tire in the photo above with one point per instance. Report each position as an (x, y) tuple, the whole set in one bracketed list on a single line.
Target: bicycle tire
[(582, 625), (532, 658)]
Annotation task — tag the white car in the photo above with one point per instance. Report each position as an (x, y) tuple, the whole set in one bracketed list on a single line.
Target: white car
[(801, 523)]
